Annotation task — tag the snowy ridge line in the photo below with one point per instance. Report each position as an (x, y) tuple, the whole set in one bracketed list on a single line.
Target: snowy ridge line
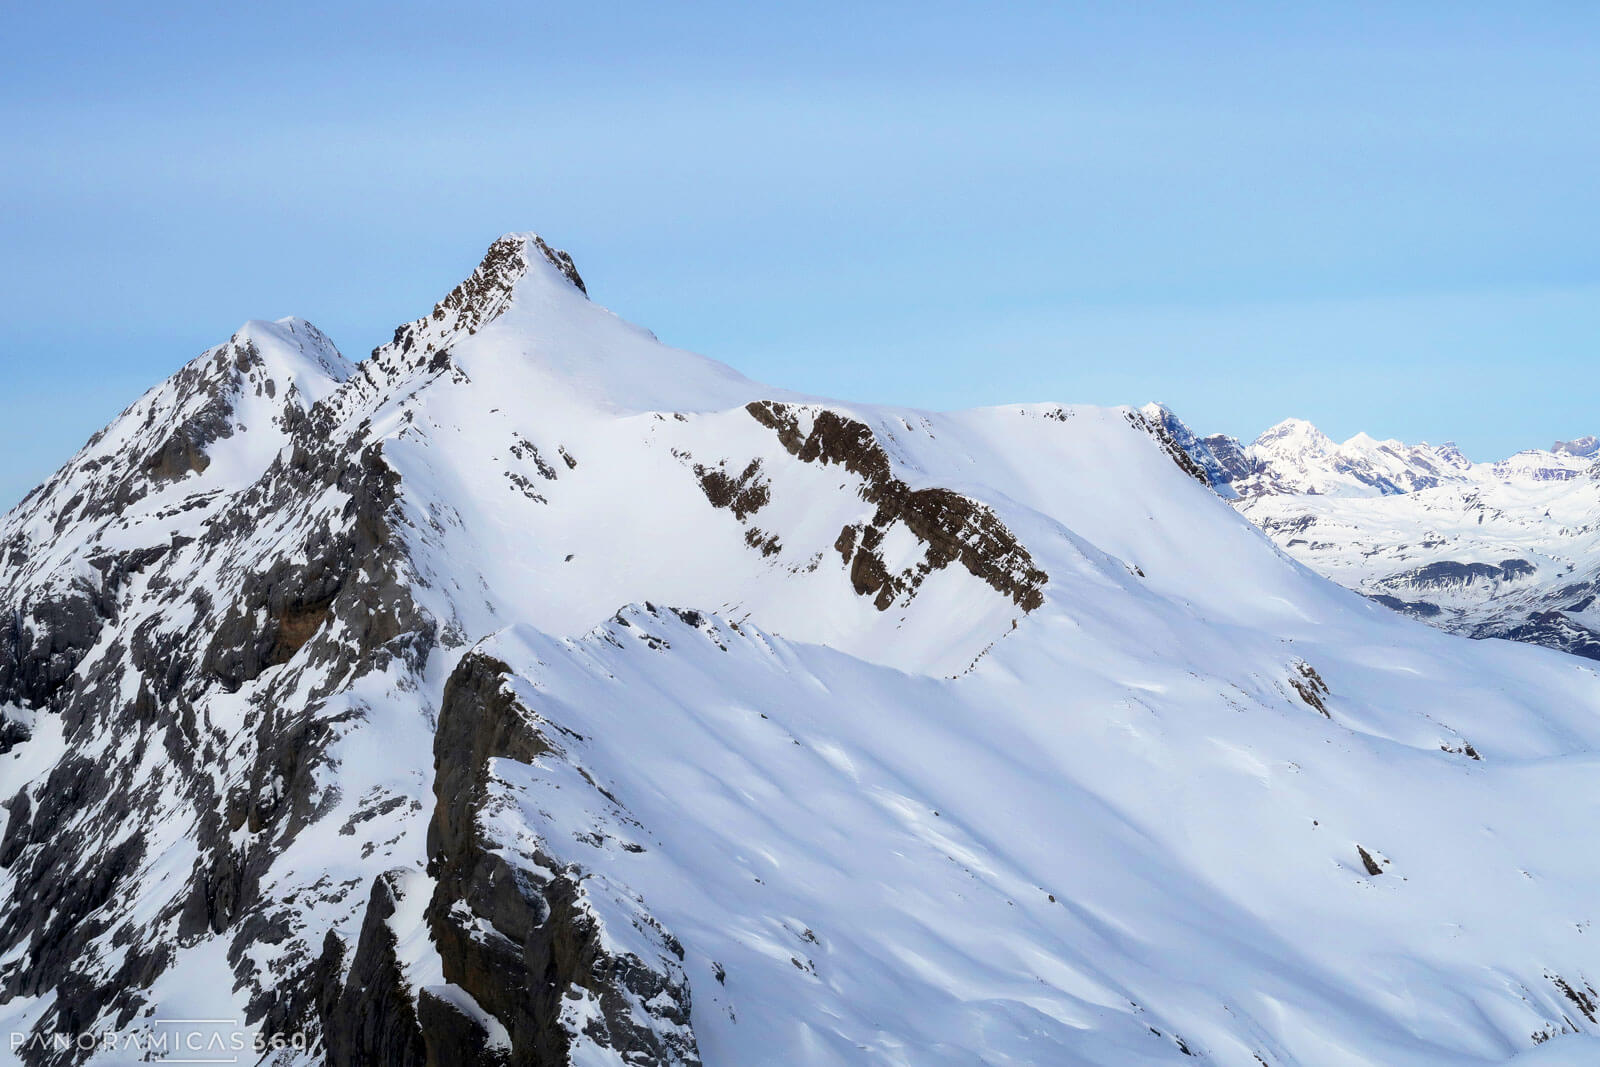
[(989, 734)]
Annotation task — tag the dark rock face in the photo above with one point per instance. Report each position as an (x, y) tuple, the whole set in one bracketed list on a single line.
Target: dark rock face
[(200, 683), (1446, 574), (279, 610), (954, 528), (1309, 684), (334, 599), (1419, 609), (42, 641), (1192, 455), (517, 943), (563, 263), (177, 456), (544, 947), (1232, 465), (744, 495), (1553, 629), (371, 1018), (456, 1034), (1516, 568)]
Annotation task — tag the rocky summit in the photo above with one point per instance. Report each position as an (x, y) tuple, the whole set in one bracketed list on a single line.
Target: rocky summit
[(531, 692)]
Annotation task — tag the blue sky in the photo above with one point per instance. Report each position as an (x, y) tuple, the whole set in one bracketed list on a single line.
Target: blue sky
[(1378, 217)]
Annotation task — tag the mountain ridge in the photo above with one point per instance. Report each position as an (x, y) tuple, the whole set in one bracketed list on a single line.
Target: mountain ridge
[(1497, 549), (1294, 456), (541, 694)]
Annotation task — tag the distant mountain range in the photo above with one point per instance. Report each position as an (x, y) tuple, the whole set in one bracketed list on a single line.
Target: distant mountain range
[(1509, 548)]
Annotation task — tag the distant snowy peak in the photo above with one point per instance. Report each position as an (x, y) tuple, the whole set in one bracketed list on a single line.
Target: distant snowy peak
[(1295, 437), (1295, 458), (1498, 549), (1537, 465), (1453, 456), (1587, 447)]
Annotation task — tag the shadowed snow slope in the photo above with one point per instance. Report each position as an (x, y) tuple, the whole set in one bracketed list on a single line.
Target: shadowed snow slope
[(537, 693)]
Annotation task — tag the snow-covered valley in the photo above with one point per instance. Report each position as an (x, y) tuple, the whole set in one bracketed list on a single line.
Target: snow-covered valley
[(1501, 549), (532, 692)]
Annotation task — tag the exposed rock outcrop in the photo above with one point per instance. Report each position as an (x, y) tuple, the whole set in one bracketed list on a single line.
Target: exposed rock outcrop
[(519, 938), (371, 1017), (952, 527)]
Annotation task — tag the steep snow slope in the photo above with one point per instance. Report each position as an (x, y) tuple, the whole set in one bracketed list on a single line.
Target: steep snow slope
[(1504, 549), (1001, 869), (989, 736)]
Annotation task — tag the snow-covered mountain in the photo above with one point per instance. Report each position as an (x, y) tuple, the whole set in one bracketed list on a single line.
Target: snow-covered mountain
[(1504, 549), (1586, 447), (533, 692)]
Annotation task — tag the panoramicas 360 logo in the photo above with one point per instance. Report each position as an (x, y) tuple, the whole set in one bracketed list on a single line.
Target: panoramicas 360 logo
[(173, 1040)]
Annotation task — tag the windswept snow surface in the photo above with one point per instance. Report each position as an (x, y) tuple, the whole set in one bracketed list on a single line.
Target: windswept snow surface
[(1123, 784), (870, 858)]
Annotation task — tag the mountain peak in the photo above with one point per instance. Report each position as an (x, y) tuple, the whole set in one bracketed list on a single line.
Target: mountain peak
[(528, 247), (1581, 446), (294, 346), (1295, 433), (513, 263), (1291, 425), (507, 264), (523, 318), (509, 261), (1450, 453)]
